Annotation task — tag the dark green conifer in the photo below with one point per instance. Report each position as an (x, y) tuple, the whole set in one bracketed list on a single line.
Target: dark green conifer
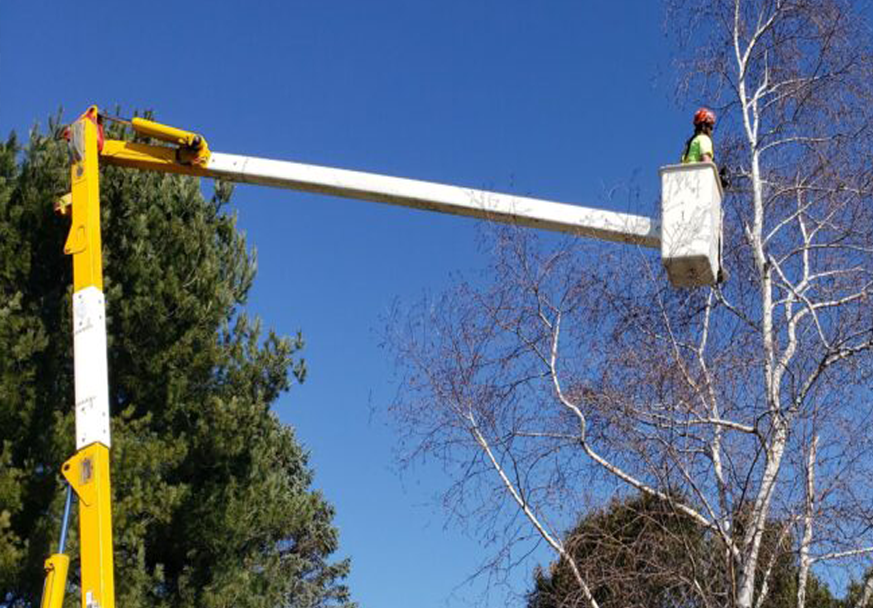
[(212, 499)]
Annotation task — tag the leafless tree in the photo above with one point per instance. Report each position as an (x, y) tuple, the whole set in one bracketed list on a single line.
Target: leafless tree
[(566, 380)]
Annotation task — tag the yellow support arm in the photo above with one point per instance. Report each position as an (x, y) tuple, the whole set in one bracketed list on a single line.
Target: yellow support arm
[(88, 473), (56, 568), (83, 242), (166, 133), (145, 156), (88, 470), (188, 156)]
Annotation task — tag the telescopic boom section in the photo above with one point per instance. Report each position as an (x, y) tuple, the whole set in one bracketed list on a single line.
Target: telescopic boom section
[(456, 200), (192, 157)]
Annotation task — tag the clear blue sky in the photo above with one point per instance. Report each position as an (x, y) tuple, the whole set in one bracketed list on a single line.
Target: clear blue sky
[(564, 99)]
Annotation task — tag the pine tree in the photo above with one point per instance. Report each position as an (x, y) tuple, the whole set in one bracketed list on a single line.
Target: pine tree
[(212, 498)]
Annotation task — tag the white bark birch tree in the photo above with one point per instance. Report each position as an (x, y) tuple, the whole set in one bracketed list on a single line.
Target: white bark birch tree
[(563, 382)]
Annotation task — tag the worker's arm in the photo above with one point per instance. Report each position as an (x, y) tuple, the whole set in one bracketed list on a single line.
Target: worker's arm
[(706, 149)]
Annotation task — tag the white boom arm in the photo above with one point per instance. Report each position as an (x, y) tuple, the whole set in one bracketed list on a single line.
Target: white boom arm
[(507, 208), (688, 233)]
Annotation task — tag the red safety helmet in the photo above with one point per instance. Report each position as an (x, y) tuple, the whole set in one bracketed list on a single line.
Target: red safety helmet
[(704, 116)]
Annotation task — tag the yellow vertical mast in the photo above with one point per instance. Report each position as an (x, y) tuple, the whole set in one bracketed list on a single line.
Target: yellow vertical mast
[(88, 470)]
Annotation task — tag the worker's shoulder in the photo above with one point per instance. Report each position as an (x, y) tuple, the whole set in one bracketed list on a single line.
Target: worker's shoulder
[(703, 143)]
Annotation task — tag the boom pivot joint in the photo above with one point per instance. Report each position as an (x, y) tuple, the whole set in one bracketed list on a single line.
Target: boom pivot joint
[(191, 148), (188, 152)]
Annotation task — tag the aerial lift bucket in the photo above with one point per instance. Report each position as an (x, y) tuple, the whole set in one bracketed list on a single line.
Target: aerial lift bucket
[(691, 223)]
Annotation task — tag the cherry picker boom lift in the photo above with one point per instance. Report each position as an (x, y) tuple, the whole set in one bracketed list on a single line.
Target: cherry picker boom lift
[(688, 234)]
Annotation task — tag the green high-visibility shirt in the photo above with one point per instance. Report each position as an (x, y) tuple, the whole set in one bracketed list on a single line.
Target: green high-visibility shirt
[(700, 145)]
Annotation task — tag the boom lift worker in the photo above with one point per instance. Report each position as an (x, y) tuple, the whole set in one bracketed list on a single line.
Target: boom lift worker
[(698, 148)]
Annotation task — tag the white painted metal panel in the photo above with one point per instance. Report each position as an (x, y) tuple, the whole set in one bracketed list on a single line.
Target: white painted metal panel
[(691, 219), (92, 384), (507, 208)]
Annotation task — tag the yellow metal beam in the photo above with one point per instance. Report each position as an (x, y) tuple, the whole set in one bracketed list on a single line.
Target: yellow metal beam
[(144, 156), (189, 153), (88, 473), (83, 242), (166, 133), (56, 568)]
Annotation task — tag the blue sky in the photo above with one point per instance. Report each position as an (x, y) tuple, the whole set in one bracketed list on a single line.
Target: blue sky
[(567, 100)]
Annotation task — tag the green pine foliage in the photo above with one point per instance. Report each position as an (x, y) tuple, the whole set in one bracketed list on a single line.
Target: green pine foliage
[(213, 503)]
